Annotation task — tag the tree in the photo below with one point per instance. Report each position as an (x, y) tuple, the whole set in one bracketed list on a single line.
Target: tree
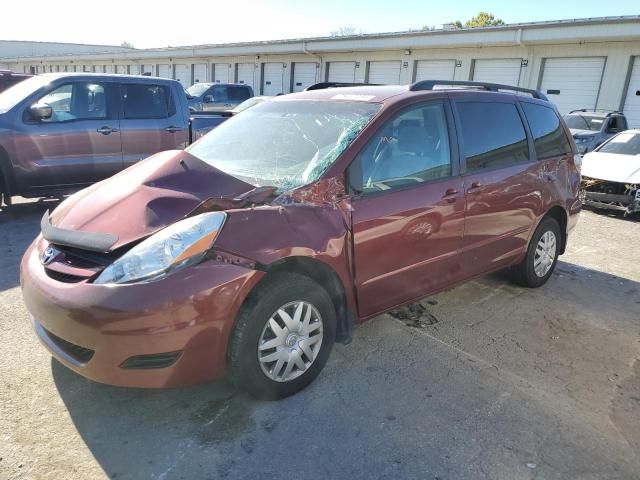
[(344, 31), (483, 19), (126, 44)]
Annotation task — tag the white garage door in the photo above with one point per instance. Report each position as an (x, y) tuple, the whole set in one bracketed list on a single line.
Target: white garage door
[(344, 72), (164, 71), (632, 102), (147, 69), (108, 69), (221, 72), (304, 75), (245, 73), (183, 74), (504, 70), (273, 81), (199, 72), (435, 70), (386, 73), (121, 69), (572, 83)]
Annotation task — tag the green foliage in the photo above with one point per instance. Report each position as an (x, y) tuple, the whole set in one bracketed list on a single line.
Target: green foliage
[(483, 19)]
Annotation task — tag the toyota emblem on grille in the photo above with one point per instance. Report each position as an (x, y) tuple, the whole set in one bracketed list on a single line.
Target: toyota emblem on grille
[(48, 255)]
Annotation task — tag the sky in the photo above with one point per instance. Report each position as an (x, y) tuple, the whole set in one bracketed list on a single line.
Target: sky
[(161, 23)]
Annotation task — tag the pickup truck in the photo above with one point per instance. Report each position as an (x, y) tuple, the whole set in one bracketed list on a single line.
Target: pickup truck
[(62, 132), (217, 97)]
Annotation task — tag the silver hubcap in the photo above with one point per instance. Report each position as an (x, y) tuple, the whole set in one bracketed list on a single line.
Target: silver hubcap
[(290, 341), (545, 254)]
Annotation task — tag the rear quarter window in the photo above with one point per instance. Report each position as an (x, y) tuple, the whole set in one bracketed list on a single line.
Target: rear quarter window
[(492, 134), (238, 94), (145, 101), (548, 135)]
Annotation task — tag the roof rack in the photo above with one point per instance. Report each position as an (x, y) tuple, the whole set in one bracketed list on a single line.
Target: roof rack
[(323, 85), (492, 87), (596, 110)]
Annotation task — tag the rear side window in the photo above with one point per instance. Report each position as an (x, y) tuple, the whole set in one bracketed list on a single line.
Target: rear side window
[(548, 135), (492, 134), (238, 94), (143, 101)]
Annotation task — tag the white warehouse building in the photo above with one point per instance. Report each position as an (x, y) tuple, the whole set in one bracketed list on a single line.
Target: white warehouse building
[(585, 63)]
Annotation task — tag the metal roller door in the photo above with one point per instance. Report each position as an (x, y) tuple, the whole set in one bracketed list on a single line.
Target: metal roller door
[(199, 72), (107, 69), (183, 74), (632, 101), (164, 71), (121, 69), (273, 79), (148, 69), (221, 72), (572, 83), (504, 70), (304, 75), (435, 70), (342, 72), (245, 73), (384, 73)]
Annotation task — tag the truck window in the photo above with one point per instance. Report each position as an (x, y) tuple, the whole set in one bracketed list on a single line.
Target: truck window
[(238, 94), (493, 135), (548, 135), (144, 101), (76, 101)]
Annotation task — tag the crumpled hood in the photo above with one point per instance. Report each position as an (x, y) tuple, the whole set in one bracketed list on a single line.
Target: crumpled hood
[(576, 132), (146, 197), (612, 167)]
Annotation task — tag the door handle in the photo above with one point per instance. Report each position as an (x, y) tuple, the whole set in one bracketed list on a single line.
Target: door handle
[(474, 186), (173, 129), (449, 195), (106, 130)]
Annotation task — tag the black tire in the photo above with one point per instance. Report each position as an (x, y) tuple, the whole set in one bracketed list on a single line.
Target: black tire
[(524, 273), (277, 290)]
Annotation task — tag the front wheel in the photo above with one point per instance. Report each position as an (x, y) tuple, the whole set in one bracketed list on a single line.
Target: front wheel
[(283, 336), (542, 255)]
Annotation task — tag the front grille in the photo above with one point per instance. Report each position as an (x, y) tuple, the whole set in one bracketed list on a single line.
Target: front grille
[(80, 258), (63, 277), (78, 353)]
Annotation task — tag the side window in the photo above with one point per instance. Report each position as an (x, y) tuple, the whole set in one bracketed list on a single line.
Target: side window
[(492, 134), (219, 94), (238, 94), (76, 101), (145, 101), (548, 135), (411, 148)]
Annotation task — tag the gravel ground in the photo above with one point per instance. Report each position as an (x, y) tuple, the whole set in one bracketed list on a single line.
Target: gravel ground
[(487, 381)]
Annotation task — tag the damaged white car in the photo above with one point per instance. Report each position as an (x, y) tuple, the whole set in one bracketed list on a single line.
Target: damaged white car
[(611, 174)]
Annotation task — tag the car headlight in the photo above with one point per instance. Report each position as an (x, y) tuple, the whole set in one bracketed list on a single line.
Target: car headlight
[(172, 248)]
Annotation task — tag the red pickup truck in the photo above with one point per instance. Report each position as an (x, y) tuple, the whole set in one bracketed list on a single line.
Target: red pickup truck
[(61, 132)]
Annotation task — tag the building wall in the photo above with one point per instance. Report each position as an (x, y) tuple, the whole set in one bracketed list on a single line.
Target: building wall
[(15, 49)]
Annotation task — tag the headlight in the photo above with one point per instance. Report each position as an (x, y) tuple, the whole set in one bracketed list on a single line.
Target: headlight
[(172, 248)]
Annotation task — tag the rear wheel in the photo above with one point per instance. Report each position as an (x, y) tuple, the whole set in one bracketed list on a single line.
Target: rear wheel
[(542, 255), (283, 337)]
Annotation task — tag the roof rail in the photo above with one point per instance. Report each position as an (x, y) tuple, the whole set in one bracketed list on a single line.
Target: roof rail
[(595, 110), (323, 85), (493, 87)]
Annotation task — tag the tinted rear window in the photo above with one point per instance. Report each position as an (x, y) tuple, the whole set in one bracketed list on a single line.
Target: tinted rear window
[(145, 101), (492, 134), (548, 135), (238, 94)]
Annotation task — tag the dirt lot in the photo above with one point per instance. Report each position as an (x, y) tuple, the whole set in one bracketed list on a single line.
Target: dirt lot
[(491, 381)]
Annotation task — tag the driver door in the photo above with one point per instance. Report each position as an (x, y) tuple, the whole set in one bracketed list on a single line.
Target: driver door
[(216, 99), (408, 217)]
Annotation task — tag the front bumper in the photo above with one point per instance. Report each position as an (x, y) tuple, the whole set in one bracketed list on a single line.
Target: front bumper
[(623, 203), (94, 329)]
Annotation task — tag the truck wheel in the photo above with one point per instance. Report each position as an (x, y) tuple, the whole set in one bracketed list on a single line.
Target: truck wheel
[(283, 336), (542, 255)]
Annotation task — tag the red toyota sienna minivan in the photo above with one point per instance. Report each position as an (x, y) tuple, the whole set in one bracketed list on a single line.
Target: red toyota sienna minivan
[(263, 243)]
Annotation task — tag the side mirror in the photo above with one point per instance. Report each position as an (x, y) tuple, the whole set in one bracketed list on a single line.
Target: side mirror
[(612, 130), (208, 99), (40, 111)]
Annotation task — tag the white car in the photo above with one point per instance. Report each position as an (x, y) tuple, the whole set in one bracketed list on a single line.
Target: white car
[(611, 174)]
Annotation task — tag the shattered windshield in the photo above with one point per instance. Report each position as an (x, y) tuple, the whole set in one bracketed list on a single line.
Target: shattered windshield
[(584, 122), (284, 144)]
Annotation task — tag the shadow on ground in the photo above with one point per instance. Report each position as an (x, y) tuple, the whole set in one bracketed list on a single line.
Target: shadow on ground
[(400, 402)]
